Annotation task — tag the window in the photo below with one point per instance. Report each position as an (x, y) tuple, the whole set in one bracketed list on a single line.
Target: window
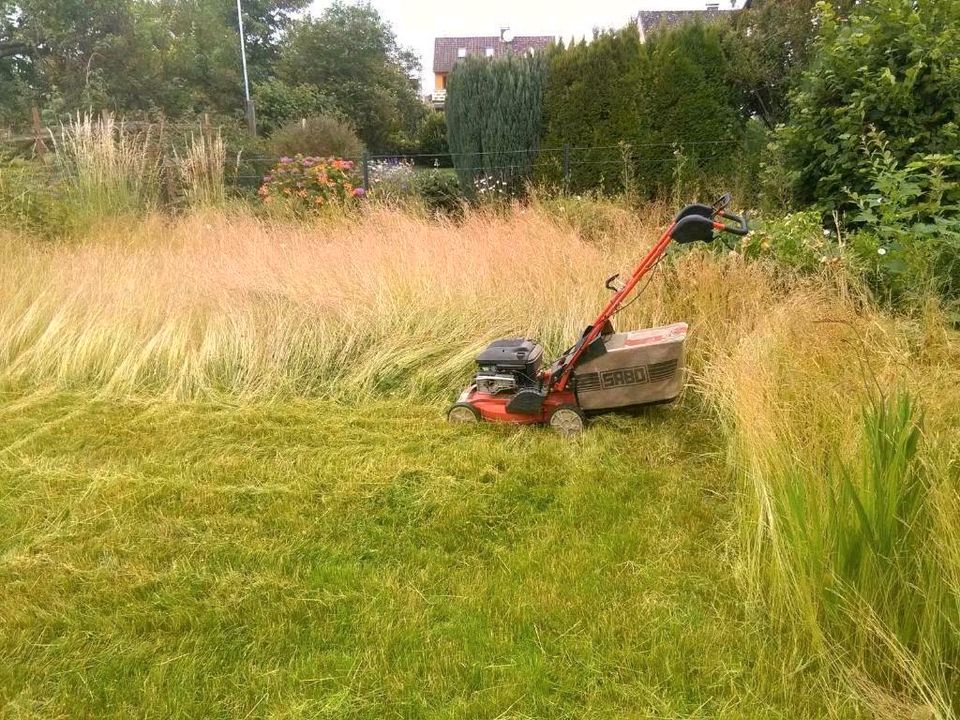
[(713, 6), (489, 52), (462, 53)]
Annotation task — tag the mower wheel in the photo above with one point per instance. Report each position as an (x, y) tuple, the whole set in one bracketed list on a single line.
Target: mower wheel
[(568, 420), (462, 412)]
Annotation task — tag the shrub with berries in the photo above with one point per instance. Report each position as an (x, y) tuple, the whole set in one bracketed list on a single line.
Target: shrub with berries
[(307, 184)]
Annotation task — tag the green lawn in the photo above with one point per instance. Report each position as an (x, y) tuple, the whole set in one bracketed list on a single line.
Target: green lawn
[(313, 560)]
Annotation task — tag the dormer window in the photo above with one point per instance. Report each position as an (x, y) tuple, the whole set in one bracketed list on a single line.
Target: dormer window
[(461, 52), (489, 52)]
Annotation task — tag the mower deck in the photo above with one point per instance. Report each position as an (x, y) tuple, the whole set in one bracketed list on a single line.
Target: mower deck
[(493, 408)]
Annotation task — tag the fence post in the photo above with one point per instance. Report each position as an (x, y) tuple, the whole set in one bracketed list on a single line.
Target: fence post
[(366, 172), (251, 118), (566, 168), (39, 146)]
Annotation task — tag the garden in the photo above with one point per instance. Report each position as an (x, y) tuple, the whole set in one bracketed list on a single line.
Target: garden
[(228, 488)]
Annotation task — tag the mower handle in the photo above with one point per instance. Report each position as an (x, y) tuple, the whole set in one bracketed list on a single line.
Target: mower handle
[(742, 227), (722, 202)]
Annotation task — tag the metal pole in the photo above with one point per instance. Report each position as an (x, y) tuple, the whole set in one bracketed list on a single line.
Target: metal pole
[(566, 168), (366, 172), (251, 118)]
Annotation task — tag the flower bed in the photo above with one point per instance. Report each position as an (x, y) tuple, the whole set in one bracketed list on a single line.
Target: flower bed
[(306, 184)]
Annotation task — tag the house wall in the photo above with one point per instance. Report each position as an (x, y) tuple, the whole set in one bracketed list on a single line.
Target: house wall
[(440, 81)]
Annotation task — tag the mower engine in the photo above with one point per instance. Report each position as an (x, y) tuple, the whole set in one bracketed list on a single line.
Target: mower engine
[(508, 365)]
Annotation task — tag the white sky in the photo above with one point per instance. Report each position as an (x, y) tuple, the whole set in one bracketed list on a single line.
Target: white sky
[(418, 22)]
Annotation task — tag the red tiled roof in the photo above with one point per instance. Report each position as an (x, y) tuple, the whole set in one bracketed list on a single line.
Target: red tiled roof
[(446, 49)]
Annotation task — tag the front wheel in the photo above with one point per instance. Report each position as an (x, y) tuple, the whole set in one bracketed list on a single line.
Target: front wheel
[(463, 413), (568, 420)]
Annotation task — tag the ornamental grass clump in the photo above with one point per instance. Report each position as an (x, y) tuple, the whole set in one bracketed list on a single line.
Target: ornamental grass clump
[(307, 184)]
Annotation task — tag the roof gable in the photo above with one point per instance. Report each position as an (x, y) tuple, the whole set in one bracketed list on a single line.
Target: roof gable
[(446, 49)]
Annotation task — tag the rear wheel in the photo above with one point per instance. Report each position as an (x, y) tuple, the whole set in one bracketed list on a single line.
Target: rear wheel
[(463, 413), (568, 420)]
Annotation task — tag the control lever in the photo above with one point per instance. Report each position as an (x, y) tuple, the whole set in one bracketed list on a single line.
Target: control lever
[(614, 283)]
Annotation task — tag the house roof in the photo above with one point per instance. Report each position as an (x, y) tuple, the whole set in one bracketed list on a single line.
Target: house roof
[(446, 49), (649, 20)]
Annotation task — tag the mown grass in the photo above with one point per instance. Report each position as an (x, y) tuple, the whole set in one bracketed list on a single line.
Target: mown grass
[(312, 559)]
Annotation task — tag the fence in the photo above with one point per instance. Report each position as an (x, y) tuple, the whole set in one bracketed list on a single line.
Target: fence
[(569, 167), (643, 167)]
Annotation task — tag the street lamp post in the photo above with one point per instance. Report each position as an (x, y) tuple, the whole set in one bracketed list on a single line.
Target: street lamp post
[(249, 109)]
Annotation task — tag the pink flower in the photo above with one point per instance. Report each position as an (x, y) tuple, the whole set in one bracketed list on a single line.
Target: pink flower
[(359, 192)]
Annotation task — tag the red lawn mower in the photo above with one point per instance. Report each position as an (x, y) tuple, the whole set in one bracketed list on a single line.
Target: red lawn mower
[(604, 370)]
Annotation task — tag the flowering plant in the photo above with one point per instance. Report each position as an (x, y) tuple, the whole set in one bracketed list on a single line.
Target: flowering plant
[(308, 183), (392, 179)]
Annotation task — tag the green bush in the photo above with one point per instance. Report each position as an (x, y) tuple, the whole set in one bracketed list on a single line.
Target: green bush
[(318, 136), (892, 71), (909, 226), (440, 192), (796, 241)]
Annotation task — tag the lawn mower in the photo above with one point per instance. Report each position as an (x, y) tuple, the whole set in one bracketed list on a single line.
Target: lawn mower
[(604, 370)]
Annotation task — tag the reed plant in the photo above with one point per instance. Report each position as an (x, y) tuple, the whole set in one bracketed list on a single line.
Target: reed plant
[(201, 170), (845, 438), (107, 170)]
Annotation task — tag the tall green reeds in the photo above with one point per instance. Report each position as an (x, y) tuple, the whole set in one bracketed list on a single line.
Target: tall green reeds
[(855, 560)]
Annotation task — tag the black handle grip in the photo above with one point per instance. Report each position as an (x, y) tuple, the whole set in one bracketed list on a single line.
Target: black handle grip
[(609, 284), (722, 202), (742, 230)]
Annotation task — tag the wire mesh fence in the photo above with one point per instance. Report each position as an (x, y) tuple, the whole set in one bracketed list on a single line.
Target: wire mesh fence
[(569, 168)]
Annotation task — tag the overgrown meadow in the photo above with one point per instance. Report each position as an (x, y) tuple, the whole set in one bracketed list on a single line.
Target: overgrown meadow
[(229, 489)]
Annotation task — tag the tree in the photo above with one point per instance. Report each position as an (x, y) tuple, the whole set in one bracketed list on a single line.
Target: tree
[(433, 146), (351, 54), (279, 103), (768, 45), (167, 57), (493, 114), (688, 119), (891, 75), (663, 100), (591, 102)]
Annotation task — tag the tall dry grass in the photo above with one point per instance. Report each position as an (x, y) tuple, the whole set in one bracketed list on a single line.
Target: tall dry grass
[(215, 304), (843, 423), (201, 168)]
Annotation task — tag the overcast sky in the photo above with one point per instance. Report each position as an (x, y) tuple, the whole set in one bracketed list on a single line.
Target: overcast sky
[(418, 22)]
